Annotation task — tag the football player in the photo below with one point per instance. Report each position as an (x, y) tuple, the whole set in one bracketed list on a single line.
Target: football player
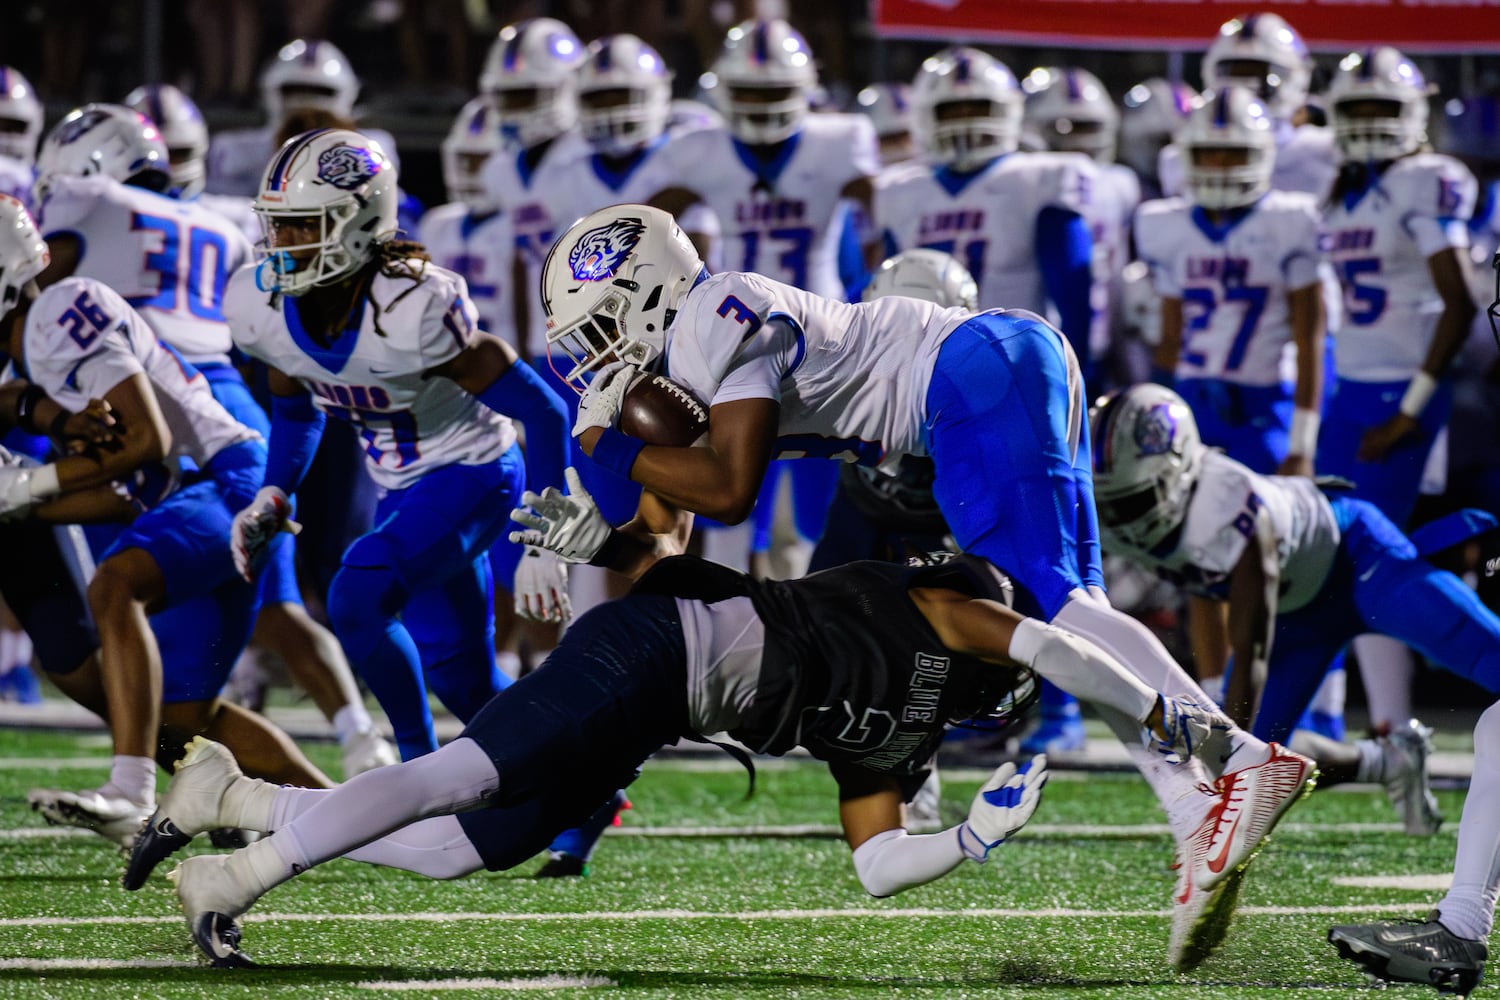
[(911, 647), (782, 183), (102, 173), (1236, 265), (1396, 234), (1266, 54), (354, 324), (1306, 569), (79, 341), (889, 108), (1151, 113), (305, 74), (20, 128), (994, 398)]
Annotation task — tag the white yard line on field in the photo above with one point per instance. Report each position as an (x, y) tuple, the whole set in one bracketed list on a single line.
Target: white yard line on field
[(540, 983), (86, 964), (614, 916)]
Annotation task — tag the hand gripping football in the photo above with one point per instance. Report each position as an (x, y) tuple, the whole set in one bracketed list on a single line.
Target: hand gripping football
[(659, 411)]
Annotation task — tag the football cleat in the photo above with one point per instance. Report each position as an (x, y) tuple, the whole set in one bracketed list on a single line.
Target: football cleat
[(114, 818), (1414, 952), (1250, 802), (1200, 917), (560, 865), (1407, 785), (189, 807), (366, 751), (213, 900), (1059, 731)]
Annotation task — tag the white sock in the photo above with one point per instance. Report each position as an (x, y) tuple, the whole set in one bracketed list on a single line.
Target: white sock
[(15, 650), (1329, 699), (132, 778), (247, 804), (1371, 761), (1469, 908), (262, 865), (1386, 666), (350, 721)]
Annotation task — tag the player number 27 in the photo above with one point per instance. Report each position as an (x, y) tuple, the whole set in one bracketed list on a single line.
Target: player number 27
[(1253, 297)]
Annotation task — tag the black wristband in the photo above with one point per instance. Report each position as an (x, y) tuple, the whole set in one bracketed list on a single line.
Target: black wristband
[(58, 425), (611, 551), (26, 405)]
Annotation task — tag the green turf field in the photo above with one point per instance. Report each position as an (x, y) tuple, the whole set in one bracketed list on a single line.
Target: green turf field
[(1075, 906)]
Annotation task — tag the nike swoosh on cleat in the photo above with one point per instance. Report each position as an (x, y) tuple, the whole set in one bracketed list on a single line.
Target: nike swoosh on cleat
[(218, 937)]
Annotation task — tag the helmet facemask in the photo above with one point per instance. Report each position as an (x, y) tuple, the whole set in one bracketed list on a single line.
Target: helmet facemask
[(603, 335), (1218, 185), (1147, 458), (968, 133), (531, 115), (1371, 129), (618, 121), (293, 268)]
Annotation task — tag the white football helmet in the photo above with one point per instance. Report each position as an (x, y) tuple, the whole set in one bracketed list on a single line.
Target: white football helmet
[(888, 106), (1231, 125), (966, 108), (308, 73), (23, 252), (1154, 111), (182, 128), (1072, 112), (624, 95), (529, 77), (108, 139), (340, 182), (1264, 53), (471, 141), (1385, 81), (611, 287), (1147, 457), (929, 275), (767, 74), (20, 116)]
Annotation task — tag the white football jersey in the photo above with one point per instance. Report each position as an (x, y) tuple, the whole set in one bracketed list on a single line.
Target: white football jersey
[(515, 187), (82, 340), (1108, 214), (1230, 506), (240, 211), (480, 249), (238, 157), (1233, 281), (986, 219), (781, 218), (1379, 242), (170, 259), (851, 378), (16, 179), (588, 183), (375, 377), (1307, 160)]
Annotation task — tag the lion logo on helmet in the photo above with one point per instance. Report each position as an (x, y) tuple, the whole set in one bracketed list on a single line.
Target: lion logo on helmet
[(600, 252), (1156, 430), (347, 167)]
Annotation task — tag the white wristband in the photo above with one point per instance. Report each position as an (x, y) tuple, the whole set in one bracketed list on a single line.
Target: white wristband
[(1418, 391), (1304, 438), (44, 483)]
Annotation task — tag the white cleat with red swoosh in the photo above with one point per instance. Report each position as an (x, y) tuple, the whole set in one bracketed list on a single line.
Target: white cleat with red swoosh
[(1247, 804)]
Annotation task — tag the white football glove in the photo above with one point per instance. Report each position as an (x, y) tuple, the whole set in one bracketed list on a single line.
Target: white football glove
[(566, 523), (599, 406), (1187, 726), (22, 486), (541, 587), (255, 527), (1002, 806)]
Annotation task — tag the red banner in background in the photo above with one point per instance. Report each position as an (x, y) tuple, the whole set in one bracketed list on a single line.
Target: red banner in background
[(1327, 25)]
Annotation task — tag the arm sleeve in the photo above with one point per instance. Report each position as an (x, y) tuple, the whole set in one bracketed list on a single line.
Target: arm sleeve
[(1065, 254), (521, 393), (296, 429), (1080, 668), (895, 860)]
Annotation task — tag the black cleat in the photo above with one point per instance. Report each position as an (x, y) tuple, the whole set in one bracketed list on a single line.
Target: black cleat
[(563, 866), (1413, 952), (158, 839), (218, 937)]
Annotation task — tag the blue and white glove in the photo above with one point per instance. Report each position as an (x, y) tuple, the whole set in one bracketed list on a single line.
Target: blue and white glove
[(599, 406), (1186, 726), (566, 523), (255, 527), (1002, 806)]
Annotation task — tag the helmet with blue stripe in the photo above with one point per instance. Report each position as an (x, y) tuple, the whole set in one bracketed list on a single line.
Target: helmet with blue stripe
[(1147, 456), (1071, 111), (1378, 101), (624, 94), (1229, 145), (530, 78), (108, 139), (767, 73), (308, 73), (182, 128), (20, 116), (967, 108)]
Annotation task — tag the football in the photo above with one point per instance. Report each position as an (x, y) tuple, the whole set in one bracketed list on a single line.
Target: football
[(660, 411)]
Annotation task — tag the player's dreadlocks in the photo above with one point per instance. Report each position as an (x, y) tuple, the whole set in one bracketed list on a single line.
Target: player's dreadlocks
[(399, 259)]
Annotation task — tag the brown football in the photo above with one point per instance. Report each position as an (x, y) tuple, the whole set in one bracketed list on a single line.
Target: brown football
[(660, 411)]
